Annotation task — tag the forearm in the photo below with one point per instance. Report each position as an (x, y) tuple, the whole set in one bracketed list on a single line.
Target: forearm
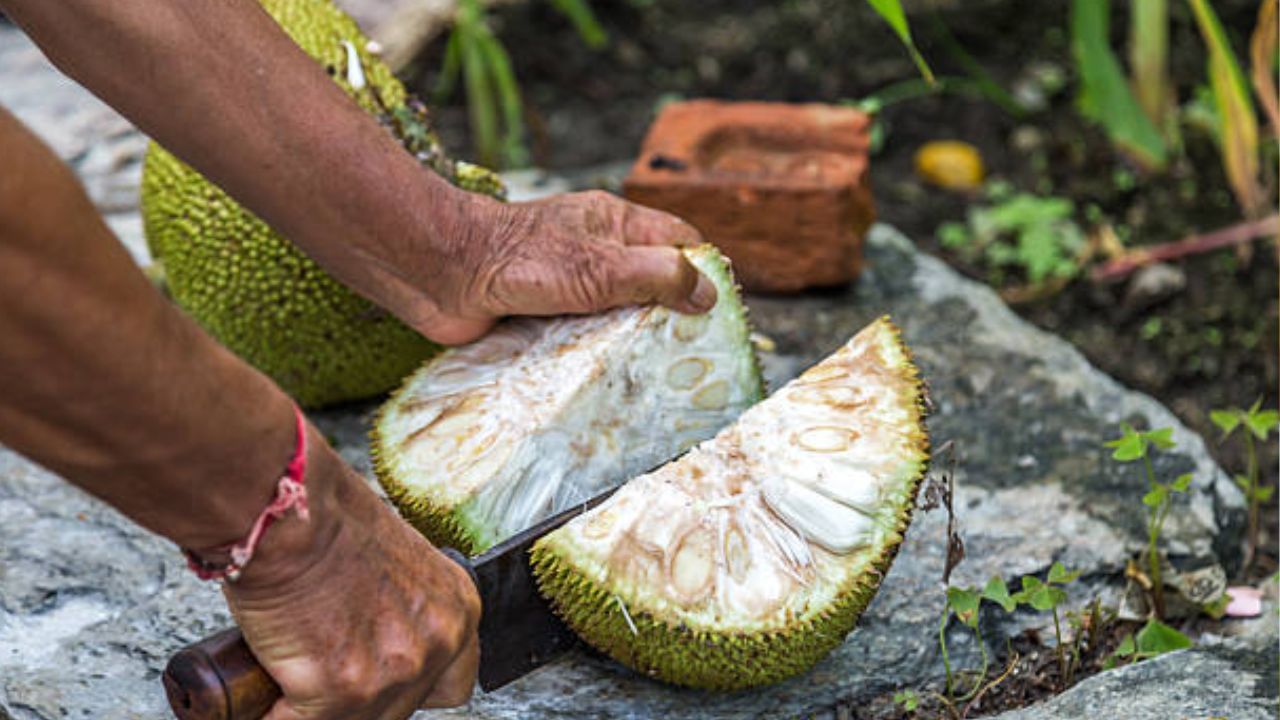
[(106, 383), (273, 130)]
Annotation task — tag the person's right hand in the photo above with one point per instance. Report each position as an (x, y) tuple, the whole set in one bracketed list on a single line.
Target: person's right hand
[(354, 614)]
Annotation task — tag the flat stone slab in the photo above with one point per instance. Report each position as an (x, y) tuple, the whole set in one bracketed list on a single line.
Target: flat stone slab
[(91, 607)]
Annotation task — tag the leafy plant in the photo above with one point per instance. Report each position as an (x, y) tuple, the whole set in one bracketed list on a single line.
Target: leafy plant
[(494, 105), (1237, 123), (1256, 424), (1034, 234), (963, 604), (1048, 595), (1155, 638), (1132, 446), (1140, 113), (1105, 95), (908, 700)]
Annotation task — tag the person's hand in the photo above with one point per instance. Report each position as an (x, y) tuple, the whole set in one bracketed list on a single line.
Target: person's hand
[(358, 617), (576, 253)]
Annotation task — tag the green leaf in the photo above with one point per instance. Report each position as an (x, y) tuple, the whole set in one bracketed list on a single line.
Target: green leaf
[(953, 235), (1039, 252), (891, 11), (997, 592), (1242, 482), (1238, 121), (584, 21), (1156, 638), (907, 699), (1161, 438), (508, 92), (964, 603), (1226, 420), (1261, 423), (1263, 494), (1129, 446), (1105, 95), (1127, 646), (480, 96), (451, 67), (1155, 497), (1182, 483), (1058, 574)]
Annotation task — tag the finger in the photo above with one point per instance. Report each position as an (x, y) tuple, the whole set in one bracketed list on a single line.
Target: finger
[(646, 226), (457, 683), (663, 275)]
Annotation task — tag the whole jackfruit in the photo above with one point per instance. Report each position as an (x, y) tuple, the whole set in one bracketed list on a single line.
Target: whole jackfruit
[(257, 293), (750, 558), (487, 439)]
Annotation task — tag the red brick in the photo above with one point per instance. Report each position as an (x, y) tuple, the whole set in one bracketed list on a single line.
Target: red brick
[(781, 189)]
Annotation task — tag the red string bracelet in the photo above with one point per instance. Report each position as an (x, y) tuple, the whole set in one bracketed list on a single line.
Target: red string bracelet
[(291, 493)]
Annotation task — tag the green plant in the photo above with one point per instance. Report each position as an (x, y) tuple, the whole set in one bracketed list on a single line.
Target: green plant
[(1256, 424), (963, 604), (1132, 446), (1105, 96), (496, 111), (1034, 234), (1048, 595), (1140, 113), (908, 700), (891, 12), (1155, 638)]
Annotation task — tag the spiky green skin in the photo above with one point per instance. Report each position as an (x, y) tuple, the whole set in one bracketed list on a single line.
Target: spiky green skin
[(460, 526), (252, 289), (730, 660)]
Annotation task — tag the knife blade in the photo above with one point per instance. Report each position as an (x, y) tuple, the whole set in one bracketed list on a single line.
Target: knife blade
[(218, 678)]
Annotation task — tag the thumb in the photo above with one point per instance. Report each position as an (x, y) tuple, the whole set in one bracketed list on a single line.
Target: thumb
[(663, 275)]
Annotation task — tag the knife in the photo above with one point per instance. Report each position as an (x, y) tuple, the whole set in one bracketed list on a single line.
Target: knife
[(218, 678)]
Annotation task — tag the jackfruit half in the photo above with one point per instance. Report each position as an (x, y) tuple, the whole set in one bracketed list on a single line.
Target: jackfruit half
[(257, 293), (488, 439), (750, 558)]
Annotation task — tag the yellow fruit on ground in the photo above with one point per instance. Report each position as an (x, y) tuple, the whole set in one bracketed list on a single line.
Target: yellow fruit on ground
[(950, 164)]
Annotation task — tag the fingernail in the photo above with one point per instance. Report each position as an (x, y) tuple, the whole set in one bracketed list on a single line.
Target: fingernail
[(704, 295)]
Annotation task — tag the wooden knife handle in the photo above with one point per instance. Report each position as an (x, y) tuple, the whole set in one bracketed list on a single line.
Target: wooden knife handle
[(218, 678)]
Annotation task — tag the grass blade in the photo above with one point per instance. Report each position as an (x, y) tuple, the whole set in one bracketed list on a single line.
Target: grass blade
[(508, 92), (1149, 57), (480, 98), (1238, 124), (449, 69), (584, 21), (1105, 96), (891, 11), (1263, 50)]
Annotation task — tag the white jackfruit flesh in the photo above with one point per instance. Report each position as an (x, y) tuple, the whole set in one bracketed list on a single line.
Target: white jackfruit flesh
[(488, 439), (748, 559)]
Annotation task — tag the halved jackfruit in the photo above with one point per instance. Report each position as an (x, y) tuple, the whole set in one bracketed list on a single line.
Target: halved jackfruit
[(487, 439), (751, 557)]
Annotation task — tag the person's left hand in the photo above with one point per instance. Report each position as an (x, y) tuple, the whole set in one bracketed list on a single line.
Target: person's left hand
[(577, 253)]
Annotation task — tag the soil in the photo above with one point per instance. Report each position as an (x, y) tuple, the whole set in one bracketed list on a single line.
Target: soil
[(1026, 672), (1212, 344)]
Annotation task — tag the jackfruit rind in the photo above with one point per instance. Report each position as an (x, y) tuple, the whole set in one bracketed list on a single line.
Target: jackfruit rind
[(750, 558), (252, 289), (487, 439)]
